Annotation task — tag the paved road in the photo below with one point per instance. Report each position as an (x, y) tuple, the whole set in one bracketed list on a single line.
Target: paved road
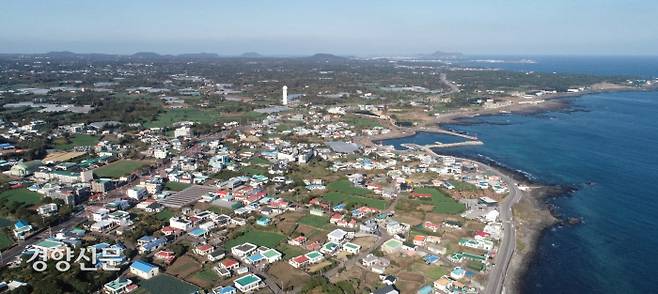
[(10, 254), (507, 246), (496, 279)]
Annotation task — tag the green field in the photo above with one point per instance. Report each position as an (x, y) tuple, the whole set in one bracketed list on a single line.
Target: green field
[(164, 215), (168, 118), (207, 274), (5, 240), (289, 251), (260, 238), (176, 186), (21, 196), (336, 197), (119, 168), (78, 140), (442, 202), (314, 221), (361, 122), (166, 284), (463, 186), (345, 186)]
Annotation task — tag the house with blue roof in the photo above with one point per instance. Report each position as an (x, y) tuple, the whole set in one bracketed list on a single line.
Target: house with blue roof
[(431, 259), (264, 221), (339, 207), (21, 229), (144, 269), (225, 290), (148, 244)]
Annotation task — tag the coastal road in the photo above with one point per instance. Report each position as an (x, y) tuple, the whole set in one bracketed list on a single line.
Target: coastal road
[(496, 279), (507, 246)]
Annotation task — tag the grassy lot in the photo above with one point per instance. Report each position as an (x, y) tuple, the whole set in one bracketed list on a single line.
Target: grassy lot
[(176, 186), (21, 196), (336, 197), (253, 170), (164, 215), (78, 140), (289, 250), (168, 118), (345, 186), (5, 240), (166, 284), (259, 160), (361, 122), (464, 186), (207, 275), (442, 202), (267, 239), (314, 221), (119, 168)]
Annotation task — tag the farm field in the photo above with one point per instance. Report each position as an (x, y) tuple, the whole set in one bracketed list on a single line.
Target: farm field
[(170, 117), (119, 168), (442, 203), (78, 140), (21, 196), (176, 186), (336, 197), (5, 240), (261, 238), (165, 284), (314, 221)]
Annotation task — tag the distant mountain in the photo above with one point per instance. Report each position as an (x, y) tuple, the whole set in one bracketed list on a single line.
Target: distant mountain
[(201, 55), (60, 53), (326, 57), (251, 55), (442, 55), (146, 55)]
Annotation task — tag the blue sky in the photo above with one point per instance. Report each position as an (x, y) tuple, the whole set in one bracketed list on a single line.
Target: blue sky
[(282, 27)]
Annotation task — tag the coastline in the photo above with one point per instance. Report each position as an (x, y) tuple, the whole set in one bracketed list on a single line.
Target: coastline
[(533, 216)]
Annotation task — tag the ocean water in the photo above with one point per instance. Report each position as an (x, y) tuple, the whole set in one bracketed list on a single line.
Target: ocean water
[(607, 147), (633, 66)]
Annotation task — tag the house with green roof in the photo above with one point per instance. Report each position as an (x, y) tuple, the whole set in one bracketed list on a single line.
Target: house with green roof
[(272, 255), (392, 246), (248, 283)]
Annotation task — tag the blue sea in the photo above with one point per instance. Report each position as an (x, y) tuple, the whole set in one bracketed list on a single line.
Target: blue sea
[(632, 66), (605, 145)]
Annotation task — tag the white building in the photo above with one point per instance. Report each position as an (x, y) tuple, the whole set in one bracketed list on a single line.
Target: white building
[(284, 95)]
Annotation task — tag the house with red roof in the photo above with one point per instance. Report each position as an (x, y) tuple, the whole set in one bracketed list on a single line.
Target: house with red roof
[(419, 240), (298, 261), (229, 264), (335, 218), (431, 226), (299, 241), (166, 256), (203, 249)]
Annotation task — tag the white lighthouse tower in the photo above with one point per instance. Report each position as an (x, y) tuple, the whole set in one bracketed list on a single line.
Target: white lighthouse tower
[(284, 95)]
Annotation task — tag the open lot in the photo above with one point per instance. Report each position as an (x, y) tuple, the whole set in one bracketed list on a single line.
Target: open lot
[(261, 238), (77, 140), (336, 197), (184, 266), (168, 118), (290, 277), (165, 284), (5, 240), (315, 221), (345, 186), (176, 186), (21, 196), (120, 168), (62, 156), (442, 202)]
